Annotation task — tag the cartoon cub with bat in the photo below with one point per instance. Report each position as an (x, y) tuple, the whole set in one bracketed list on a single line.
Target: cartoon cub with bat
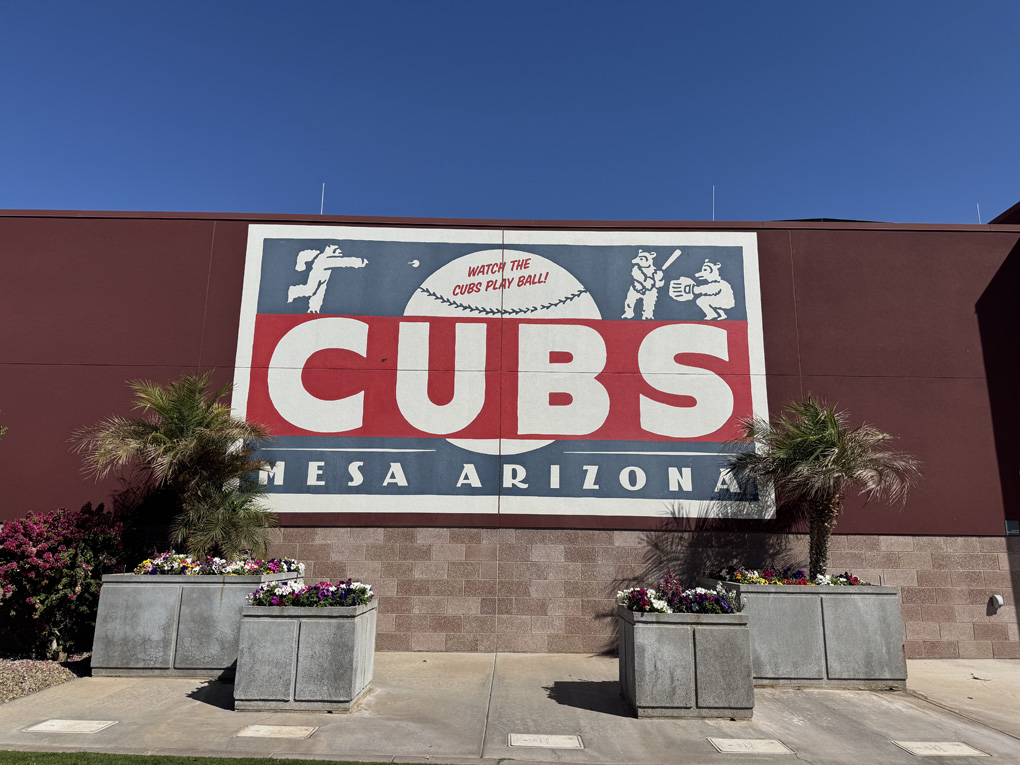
[(645, 287)]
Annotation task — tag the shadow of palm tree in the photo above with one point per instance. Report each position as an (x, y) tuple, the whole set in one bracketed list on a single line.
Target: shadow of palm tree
[(693, 542), (147, 511), (596, 695)]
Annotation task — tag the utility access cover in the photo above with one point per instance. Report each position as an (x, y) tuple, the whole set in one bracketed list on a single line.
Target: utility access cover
[(70, 726), (276, 731), (749, 746), (940, 749), (546, 741)]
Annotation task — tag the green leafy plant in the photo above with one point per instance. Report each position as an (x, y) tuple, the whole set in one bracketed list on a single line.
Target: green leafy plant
[(812, 458), (190, 443)]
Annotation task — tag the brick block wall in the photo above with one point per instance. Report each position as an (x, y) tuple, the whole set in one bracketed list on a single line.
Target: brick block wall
[(945, 583), (527, 590)]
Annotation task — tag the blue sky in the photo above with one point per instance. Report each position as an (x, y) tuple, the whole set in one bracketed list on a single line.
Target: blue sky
[(547, 110)]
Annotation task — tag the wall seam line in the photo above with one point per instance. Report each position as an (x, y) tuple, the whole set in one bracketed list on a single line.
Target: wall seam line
[(796, 315), (205, 307)]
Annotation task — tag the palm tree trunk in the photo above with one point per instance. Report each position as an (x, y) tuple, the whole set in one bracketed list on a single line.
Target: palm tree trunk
[(822, 520)]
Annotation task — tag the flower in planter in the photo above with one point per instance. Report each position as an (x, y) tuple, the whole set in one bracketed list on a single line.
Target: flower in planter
[(178, 563), (670, 597), (643, 600), (846, 579), (787, 575), (252, 567), (167, 563), (323, 594)]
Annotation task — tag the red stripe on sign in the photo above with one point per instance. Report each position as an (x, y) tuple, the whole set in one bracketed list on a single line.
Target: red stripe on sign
[(371, 376)]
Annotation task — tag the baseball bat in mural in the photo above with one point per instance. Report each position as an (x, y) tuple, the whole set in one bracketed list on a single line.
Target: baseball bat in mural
[(518, 372)]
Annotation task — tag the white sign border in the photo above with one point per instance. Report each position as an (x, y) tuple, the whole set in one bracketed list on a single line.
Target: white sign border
[(508, 504)]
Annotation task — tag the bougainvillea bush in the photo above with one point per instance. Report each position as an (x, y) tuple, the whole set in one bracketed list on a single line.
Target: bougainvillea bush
[(669, 597), (787, 575), (179, 563), (295, 593), (51, 568)]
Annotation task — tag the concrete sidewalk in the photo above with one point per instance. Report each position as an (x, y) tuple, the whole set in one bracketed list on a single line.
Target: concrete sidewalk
[(461, 708), (987, 691)]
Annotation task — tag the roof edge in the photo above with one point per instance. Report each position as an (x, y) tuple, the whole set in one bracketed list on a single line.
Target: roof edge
[(409, 222), (1009, 217)]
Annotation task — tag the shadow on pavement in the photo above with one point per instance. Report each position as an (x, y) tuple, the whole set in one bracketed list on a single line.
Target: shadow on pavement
[(82, 667), (215, 693), (595, 695)]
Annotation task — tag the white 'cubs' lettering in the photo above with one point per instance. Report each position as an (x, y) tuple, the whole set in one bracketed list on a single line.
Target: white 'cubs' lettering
[(287, 392), (589, 405), (413, 378), (557, 391), (656, 360)]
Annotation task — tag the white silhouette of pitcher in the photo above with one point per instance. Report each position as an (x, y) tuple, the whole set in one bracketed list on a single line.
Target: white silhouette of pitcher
[(323, 264)]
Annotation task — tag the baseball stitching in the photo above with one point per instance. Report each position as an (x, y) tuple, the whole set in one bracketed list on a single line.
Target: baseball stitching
[(499, 311)]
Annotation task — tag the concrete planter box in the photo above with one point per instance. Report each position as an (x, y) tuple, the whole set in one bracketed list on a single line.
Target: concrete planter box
[(176, 626), (294, 658), (838, 637), (686, 665)]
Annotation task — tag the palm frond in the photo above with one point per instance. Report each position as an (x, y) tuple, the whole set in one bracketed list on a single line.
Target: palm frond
[(230, 522), (189, 441), (812, 457)]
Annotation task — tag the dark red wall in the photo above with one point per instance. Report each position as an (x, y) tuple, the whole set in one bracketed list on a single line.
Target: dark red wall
[(908, 326)]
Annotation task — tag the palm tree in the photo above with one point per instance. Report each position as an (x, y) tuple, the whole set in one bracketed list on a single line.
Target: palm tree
[(812, 458), (230, 521), (190, 443)]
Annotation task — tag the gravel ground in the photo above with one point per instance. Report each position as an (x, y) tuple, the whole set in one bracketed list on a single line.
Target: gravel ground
[(20, 677)]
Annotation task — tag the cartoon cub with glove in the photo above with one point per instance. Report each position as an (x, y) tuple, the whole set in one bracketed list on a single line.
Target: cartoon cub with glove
[(716, 293)]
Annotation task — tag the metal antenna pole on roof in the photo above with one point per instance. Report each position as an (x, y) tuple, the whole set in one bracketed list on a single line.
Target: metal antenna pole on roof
[(979, 212), (713, 201), (323, 200)]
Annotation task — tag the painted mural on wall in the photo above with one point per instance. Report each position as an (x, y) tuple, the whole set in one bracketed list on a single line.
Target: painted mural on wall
[(520, 372)]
